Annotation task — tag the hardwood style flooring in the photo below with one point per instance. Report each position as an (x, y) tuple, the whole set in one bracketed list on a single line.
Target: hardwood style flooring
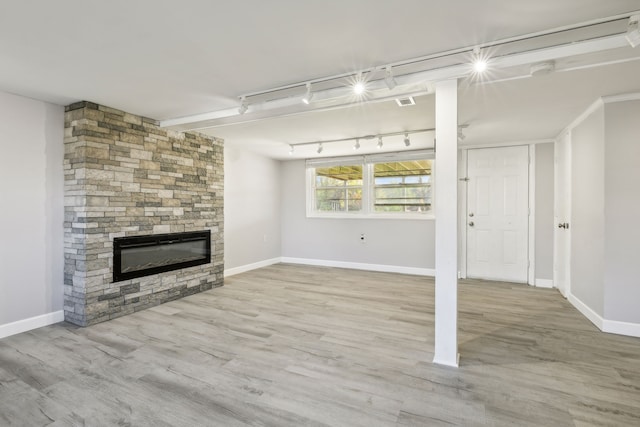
[(310, 346)]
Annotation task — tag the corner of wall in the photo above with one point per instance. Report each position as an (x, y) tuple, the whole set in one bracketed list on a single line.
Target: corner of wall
[(617, 133), (31, 181), (253, 193)]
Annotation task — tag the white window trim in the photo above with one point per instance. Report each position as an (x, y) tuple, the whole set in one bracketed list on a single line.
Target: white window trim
[(367, 161)]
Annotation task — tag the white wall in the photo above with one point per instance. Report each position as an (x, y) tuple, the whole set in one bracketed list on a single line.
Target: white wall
[(389, 242), (32, 208), (544, 211), (622, 201), (605, 207), (587, 211), (251, 208)]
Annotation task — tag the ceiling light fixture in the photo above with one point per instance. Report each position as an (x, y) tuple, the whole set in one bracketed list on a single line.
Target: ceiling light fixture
[(359, 86), (291, 148), (357, 145), (407, 141), (244, 106), (633, 31), (480, 66), (389, 79), (308, 95), (479, 62)]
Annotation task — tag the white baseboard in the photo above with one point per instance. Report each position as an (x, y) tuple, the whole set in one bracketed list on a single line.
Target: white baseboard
[(453, 364), (249, 267), (31, 323), (362, 266), (605, 325), (594, 317), (544, 283), (622, 328)]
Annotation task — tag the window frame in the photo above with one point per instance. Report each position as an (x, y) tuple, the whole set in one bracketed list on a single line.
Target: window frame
[(312, 188), (368, 185)]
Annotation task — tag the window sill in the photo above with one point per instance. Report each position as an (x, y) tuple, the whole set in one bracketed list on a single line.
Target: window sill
[(428, 216)]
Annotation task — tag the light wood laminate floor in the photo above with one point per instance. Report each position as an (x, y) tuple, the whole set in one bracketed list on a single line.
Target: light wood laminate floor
[(310, 346)]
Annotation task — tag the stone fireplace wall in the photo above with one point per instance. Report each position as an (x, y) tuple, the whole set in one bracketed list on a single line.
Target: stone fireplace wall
[(126, 176)]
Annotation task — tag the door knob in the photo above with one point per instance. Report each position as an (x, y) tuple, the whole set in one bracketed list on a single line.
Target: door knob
[(471, 214), (471, 224), (564, 225)]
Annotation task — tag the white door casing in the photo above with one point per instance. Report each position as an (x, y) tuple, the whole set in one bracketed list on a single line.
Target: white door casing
[(562, 215), (498, 213)]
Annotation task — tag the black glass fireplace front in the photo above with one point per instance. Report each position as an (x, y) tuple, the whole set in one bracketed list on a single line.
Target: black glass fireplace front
[(145, 255)]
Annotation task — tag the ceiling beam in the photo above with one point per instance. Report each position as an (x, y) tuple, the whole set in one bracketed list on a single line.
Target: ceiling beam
[(413, 84)]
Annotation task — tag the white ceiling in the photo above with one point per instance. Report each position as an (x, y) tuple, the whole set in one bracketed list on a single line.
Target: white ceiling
[(166, 59)]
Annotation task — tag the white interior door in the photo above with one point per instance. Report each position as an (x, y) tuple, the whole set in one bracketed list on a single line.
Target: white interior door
[(562, 213), (498, 213)]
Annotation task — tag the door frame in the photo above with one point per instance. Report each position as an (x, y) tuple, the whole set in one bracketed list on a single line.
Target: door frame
[(462, 208), (565, 257)]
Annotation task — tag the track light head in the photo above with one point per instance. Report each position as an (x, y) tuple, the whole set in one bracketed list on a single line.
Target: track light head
[(480, 66), (633, 31), (407, 141), (356, 146), (306, 99), (389, 79), (379, 146), (320, 148), (461, 135), (359, 87), (479, 62), (244, 105)]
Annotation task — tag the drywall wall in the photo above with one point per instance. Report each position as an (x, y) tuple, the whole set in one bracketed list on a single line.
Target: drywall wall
[(544, 226), (587, 211), (622, 207), (388, 242), (32, 212), (251, 209)]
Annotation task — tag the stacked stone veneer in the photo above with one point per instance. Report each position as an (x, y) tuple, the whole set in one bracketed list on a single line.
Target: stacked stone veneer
[(126, 176)]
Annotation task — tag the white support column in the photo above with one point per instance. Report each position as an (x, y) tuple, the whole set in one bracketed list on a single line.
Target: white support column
[(446, 211)]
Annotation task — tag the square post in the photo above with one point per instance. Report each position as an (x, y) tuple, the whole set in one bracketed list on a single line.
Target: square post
[(446, 212)]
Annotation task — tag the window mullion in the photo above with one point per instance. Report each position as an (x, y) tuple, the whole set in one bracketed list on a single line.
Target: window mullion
[(367, 191)]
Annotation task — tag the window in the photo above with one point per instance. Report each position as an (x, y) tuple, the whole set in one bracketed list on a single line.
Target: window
[(402, 186), (375, 186), (338, 189)]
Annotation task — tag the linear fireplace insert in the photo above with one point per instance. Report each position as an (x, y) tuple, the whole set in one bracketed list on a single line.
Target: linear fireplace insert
[(140, 256)]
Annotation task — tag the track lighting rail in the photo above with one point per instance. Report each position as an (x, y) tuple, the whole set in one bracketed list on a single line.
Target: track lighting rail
[(365, 137)]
